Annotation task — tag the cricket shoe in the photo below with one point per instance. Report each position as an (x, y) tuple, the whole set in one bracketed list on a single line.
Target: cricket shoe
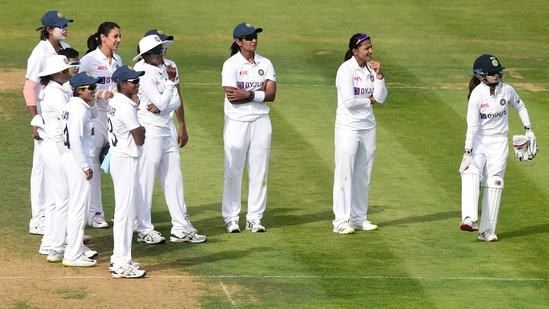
[(82, 261), (343, 229), (38, 227), (128, 271), (468, 225), (131, 263), (232, 227), (89, 253), (488, 235), (190, 225), (55, 256), (255, 226), (188, 236), (364, 225), (98, 221), (152, 237)]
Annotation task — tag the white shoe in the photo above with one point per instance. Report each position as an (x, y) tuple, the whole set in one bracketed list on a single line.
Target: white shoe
[(232, 227), (44, 250), (55, 256), (152, 237), (188, 237), (365, 226), (468, 225), (131, 263), (488, 235), (82, 261), (89, 253), (255, 226), (98, 221), (344, 229), (38, 227), (191, 226), (128, 271)]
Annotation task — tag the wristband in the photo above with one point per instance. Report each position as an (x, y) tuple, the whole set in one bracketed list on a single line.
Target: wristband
[(468, 151), (528, 128), (259, 96)]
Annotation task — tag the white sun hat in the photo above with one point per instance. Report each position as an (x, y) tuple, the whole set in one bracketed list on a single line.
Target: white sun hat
[(149, 42), (55, 64)]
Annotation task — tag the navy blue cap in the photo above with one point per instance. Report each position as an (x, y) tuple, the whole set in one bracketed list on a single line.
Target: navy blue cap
[(124, 73), (83, 79), (244, 29), (53, 19), (486, 64), (161, 35)]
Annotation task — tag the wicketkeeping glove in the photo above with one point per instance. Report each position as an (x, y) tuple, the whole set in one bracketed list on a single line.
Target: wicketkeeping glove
[(533, 147), (521, 143)]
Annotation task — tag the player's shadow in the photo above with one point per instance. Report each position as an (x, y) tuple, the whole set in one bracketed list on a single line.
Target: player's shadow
[(424, 218), (526, 231)]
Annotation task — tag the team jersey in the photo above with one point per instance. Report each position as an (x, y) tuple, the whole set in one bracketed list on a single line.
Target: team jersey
[(487, 115), (122, 119), (53, 99), (97, 64), (355, 85), (78, 131), (155, 88), (239, 73), (36, 62)]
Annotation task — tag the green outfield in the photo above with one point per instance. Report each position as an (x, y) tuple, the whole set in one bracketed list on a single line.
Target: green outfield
[(417, 259)]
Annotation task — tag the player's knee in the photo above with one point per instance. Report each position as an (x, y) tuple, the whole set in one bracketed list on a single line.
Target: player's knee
[(495, 182)]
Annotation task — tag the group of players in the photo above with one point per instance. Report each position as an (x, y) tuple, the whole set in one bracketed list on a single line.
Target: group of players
[(96, 110)]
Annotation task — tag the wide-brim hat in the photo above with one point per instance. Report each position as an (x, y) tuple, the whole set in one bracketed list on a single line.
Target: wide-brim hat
[(53, 19), (244, 29), (55, 64), (83, 79), (148, 43)]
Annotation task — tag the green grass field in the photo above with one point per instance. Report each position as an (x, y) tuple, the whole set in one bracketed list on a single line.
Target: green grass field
[(418, 258)]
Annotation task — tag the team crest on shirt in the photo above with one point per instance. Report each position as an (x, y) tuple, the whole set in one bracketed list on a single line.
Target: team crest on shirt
[(371, 78), (261, 72), (502, 102)]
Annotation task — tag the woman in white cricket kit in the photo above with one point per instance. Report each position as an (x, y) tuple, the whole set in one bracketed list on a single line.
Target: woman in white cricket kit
[(249, 81), (486, 145), (126, 136), (53, 31), (360, 84), (54, 98), (101, 61), (158, 97), (76, 165)]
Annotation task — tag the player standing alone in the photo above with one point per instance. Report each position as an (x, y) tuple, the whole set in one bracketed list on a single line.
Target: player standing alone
[(486, 145)]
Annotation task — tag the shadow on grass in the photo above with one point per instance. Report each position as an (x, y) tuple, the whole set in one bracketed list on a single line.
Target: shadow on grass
[(425, 218), (526, 231)]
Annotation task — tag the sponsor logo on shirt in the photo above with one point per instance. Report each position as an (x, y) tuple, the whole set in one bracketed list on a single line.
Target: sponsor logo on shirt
[(359, 91), (493, 115), (247, 85), (102, 68)]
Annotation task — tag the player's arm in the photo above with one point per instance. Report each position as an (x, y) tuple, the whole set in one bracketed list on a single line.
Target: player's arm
[(237, 96), (138, 135), (182, 135)]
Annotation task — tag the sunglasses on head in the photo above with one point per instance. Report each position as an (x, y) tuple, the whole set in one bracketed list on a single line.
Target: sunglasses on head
[(250, 37), (133, 81), (361, 38), (89, 87)]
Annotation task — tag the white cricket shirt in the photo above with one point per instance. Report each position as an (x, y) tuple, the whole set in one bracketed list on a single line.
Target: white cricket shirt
[(79, 131), (97, 64), (122, 119)]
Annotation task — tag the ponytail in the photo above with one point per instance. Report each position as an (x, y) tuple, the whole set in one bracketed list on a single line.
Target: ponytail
[(473, 83), (234, 48)]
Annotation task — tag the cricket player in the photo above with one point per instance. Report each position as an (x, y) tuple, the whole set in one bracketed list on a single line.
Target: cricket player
[(101, 61), (249, 81), (486, 145), (53, 32), (126, 136)]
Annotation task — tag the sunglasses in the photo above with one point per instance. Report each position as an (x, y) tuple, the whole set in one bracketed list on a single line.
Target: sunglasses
[(74, 64), (361, 38), (89, 87), (250, 37), (133, 81), (63, 26), (157, 51), (493, 73)]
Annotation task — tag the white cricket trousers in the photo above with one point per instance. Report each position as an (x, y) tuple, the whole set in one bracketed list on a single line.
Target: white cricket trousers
[(354, 159), (160, 158), (243, 140), (78, 191), (101, 139), (37, 190), (125, 175), (56, 215)]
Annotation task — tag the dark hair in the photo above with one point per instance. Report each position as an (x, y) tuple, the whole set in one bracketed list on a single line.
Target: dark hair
[(353, 44), (69, 52), (103, 29), (473, 83), (44, 80), (44, 34), (235, 48)]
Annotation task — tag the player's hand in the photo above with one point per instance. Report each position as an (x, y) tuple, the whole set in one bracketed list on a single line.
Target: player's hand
[(533, 147), (105, 94), (171, 72), (88, 173), (466, 161), (35, 134), (153, 109), (182, 136)]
